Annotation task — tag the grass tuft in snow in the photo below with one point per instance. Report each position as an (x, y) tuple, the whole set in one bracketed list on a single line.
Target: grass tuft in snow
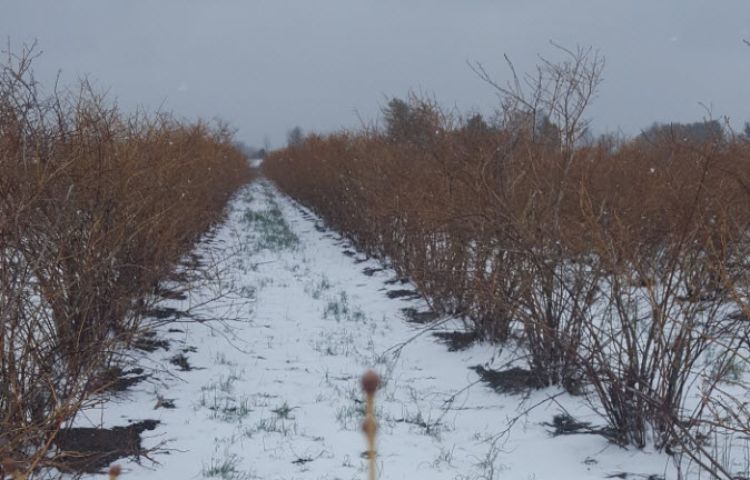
[(270, 228), (225, 467), (339, 309)]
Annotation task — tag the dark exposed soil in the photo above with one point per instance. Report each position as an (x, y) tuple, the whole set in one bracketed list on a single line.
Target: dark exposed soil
[(639, 476), (415, 316), (349, 253), (513, 381), (179, 276), (161, 313), (128, 379), (116, 379), (90, 450), (567, 425), (370, 271), (168, 403), (395, 280), (457, 341), (194, 261), (403, 293), (170, 294), (149, 343), (564, 424), (181, 361)]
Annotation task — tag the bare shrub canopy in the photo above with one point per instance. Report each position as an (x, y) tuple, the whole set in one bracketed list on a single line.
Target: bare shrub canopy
[(621, 263), (95, 207)]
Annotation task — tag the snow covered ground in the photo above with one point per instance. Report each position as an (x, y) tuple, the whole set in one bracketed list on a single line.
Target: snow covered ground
[(272, 391)]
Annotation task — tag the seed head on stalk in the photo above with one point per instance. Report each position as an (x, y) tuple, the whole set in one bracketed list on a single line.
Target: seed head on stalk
[(114, 472)]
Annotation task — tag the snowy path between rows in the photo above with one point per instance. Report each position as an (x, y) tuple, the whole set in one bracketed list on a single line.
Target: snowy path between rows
[(273, 391)]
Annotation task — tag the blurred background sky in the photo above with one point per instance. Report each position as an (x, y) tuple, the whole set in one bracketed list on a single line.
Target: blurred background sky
[(266, 66)]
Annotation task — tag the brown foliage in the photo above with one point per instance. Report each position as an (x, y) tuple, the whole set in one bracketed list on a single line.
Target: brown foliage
[(95, 208), (580, 247)]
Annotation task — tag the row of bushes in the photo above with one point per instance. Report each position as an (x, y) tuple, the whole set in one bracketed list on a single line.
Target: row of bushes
[(96, 207), (620, 265)]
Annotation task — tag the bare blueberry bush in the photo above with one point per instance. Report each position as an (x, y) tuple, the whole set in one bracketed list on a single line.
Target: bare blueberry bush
[(618, 265), (96, 207)]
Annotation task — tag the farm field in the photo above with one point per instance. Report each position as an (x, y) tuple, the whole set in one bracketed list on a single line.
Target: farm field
[(383, 240), (269, 387)]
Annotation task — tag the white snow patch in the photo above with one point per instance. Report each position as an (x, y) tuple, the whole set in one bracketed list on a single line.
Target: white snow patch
[(275, 389)]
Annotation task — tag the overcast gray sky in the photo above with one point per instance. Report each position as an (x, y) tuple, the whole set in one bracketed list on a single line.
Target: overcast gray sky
[(268, 65)]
